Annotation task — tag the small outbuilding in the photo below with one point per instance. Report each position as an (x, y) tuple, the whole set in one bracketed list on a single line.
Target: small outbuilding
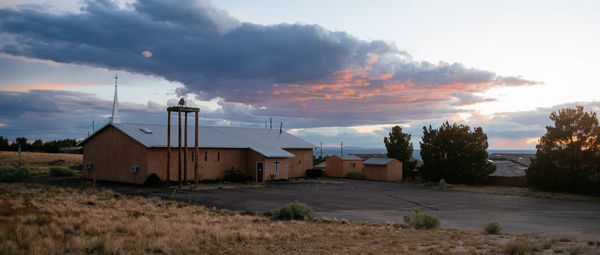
[(382, 169), (510, 169), (340, 166)]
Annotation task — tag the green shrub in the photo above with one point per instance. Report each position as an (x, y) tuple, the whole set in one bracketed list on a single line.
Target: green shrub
[(249, 211), (444, 185), (61, 172), (421, 220), (355, 175), (493, 228), (58, 162), (14, 175), (293, 211), (315, 173), (78, 166), (152, 181), (232, 175)]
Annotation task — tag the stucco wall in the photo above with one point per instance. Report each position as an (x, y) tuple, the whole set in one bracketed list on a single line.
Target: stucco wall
[(301, 162), (333, 167), (211, 168), (111, 154), (347, 166)]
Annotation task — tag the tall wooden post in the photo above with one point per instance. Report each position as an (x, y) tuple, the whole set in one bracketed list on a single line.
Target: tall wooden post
[(179, 146), (185, 151), (168, 148), (196, 152), (182, 155)]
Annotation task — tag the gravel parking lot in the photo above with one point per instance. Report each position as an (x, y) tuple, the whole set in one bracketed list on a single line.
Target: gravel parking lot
[(382, 202), (358, 200)]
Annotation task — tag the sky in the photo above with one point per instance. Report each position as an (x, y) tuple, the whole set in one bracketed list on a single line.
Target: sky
[(331, 71)]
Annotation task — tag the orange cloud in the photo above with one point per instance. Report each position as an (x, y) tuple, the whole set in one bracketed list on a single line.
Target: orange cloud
[(147, 54), (513, 143), (42, 86)]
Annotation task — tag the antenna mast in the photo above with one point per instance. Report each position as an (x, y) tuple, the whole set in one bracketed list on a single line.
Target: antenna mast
[(115, 113)]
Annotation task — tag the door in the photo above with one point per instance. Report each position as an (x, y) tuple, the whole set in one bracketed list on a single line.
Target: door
[(259, 171)]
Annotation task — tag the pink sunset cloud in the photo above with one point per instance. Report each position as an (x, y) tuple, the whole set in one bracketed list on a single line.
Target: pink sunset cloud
[(42, 86)]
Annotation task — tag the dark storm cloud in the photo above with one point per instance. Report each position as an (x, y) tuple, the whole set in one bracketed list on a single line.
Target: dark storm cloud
[(212, 53), (191, 42)]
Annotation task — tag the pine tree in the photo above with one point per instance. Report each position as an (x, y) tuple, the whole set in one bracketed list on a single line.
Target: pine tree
[(568, 155), (456, 154), (398, 146)]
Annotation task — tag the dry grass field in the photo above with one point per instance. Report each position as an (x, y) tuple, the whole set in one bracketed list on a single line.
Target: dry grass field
[(37, 162), (41, 219)]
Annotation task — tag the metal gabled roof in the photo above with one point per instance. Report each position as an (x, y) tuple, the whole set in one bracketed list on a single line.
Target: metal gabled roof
[(378, 161), (348, 157), (268, 142)]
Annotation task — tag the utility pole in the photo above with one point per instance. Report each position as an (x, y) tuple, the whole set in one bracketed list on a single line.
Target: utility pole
[(321, 149), (342, 149)]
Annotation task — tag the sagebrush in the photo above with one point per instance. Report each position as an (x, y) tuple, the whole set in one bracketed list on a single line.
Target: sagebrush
[(421, 220), (293, 211), (493, 228), (61, 172), (14, 175)]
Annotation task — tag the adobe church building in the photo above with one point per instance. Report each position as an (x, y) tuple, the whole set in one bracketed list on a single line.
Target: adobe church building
[(128, 152)]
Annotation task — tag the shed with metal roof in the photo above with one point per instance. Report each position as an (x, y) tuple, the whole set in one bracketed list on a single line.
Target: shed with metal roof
[(383, 169), (340, 166)]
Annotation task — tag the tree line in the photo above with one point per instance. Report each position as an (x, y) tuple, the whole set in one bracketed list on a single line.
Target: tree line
[(53, 146), (567, 156)]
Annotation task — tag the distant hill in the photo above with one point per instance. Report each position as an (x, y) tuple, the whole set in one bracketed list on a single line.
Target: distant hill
[(416, 154)]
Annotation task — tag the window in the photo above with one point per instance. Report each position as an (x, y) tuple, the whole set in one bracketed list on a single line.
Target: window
[(218, 156), (352, 164), (206, 156)]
